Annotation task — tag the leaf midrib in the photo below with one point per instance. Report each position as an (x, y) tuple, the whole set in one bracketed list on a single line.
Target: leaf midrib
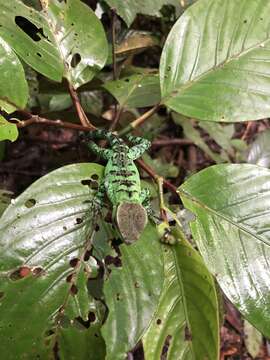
[(176, 92)]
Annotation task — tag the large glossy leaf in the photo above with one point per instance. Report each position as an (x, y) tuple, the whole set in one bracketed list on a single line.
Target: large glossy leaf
[(80, 38), (214, 64), (136, 90), (13, 89), (132, 293), (231, 204), (129, 9), (186, 321), (259, 150), (27, 32), (65, 39), (43, 284), (8, 131)]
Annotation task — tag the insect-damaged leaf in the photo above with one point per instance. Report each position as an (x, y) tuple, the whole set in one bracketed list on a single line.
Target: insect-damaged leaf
[(13, 88), (231, 204), (27, 31), (43, 275), (215, 62), (186, 321), (80, 38), (132, 293), (65, 39), (137, 90)]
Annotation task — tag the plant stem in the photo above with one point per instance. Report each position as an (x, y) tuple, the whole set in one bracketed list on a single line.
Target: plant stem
[(154, 176), (139, 121), (81, 114), (36, 119)]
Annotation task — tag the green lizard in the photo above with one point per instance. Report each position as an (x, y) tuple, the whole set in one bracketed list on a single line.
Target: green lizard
[(121, 183)]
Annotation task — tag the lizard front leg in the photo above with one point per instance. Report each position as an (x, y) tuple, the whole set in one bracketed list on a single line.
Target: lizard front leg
[(140, 145)]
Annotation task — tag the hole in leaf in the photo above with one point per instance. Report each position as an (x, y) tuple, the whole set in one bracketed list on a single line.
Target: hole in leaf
[(95, 177), (64, 228), (96, 335), (20, 273), (38, 271), (118, 297), (29, 28), (127, 80), (92, 317), (38, 54), (188, 335), (49, 333), (165, 347), (87, 255), (96, 227), (76, 59), (30, 203), (159, 321), (74, 290), (110, 260), (172, 222), (69, 278), (73, 262), (79, 220)]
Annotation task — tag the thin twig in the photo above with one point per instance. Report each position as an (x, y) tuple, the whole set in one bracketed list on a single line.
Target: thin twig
[(154, 176), (35, 119), (81, 114), (116, 118), (139, 121)]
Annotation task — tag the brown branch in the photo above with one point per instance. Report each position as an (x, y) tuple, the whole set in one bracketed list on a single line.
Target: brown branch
[(81, 114), (154, 176), (35, 119)]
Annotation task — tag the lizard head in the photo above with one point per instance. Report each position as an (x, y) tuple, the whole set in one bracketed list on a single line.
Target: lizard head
[(131, 219)]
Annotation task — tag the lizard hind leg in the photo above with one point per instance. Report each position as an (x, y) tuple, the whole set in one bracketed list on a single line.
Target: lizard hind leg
[(131, 219)]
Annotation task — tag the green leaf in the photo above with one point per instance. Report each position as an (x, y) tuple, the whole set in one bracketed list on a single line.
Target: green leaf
[(13, 89), (214, 64), (136, 90), (66, 39), (27, 32), (132, 294), (135, 42), (259, 151), (8, 131), (42, 236), (231, 204), (253, 339), (194, 135), (129, 9), (81, 344), (161, 167), (80, 38), (186, 320), (221, 133)]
